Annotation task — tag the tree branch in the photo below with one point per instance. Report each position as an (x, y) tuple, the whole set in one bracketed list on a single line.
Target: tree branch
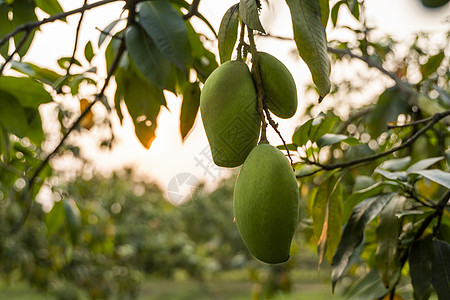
[(193, 10), (77, 34)]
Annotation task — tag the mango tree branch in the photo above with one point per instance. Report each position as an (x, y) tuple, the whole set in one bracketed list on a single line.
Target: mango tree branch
[(77, 34), (193, 10)]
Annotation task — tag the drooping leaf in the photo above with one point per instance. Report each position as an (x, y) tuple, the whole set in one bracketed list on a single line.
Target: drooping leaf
[(436, 175), (311, 40), (388, 230), (23, 12), (353, 232), (42, 74), (29, 92), (324, 11), (424, 164), (51, 7), (441, 269), (228, 33), (248, 11), (331, 139), (12, 114), (106, 32), (421, 258), (353, 6), (168, 31), (301, 134), (431, 65), (54, 219), (335, 12), (88, 51), (189, 107), (149, 59), (395, 164), (368, 287)]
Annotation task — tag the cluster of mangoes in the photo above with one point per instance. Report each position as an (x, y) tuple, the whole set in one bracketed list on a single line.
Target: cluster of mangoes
[(266, 194)]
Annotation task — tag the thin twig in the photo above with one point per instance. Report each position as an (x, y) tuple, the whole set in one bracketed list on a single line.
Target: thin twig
[(193, 10), (410, 124), (275, 127), (77, 34)]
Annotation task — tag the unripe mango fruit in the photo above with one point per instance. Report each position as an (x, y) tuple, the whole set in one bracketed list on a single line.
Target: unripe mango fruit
[(229, 112), (278, 84), (265, 204)]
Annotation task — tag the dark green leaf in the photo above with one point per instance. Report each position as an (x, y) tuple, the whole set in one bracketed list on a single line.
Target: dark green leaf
[(324, 11), (331, 139), (29, 92), (311, 40), (12, 114), (424, 164), (189, 107), (421, 258), (88, 51), (335, 11), (388, 230), (73, 218), (248, 11), (353, 6), (23, 12), (43, 75), (291, 147), (228, 33), (441, 269), (168, 31), (301, 134), (436, 175), (5, 27), (149, 59), (431, 65), (51, 7), (64, 62), (353, 233), (54, 219), (35, 132), (396, 164), (107, 31), (367, 287)]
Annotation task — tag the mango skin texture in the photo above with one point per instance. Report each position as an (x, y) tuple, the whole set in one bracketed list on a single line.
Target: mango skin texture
[(265, 204), (279, 86), (229, 112)]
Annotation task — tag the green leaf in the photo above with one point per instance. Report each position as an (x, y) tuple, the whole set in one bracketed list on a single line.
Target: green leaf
[(107, 31), (311, 40), (335, 12), (353, 232), (88, 51), (331, 139), (441, 269), (43, 75), (396, 164), (401, 175), (228, 33), (54, 219), (362, 182), (431, 65), (168, 31), (29, 92), (35, 132), (189, 107), (436, 175), (149, 59), (12, 114), (291, 147), (5, 27), (324, 11), (368, 287), (424, 164), (51, 7), (248, 11), (421, 258), (320, 126), (301, 134), (73, 218), (64, 62), (353, 6), (23, 12), (388, 230), (392, 102)]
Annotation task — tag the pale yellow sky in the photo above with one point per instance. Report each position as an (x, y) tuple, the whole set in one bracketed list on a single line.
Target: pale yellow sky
[(168, 156)]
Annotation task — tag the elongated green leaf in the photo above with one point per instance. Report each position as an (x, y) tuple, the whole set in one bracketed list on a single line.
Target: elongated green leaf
[(12, 114), (189, 107), (324, 11), (29, 92), (311, 40), (228, 33), (88, 51), (424, 164), (396, 164), (54, 219), (23, 12), (401, 175), (106, 32), (367, 287), (51, 7), (353, 232), (248, 11), (421, 258), (436, 175), (353, 6), (43, 75), (331, 139), (73, 218), (432, 65), (149, 59), (388, 230), (334, 216), (5, 27), (64, 62), (335, 12), (168, 31), (301, 134), (441, 269)]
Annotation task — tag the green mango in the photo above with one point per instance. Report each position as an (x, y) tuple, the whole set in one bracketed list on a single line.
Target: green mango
[(265, 204), (229, 113), (278, 84), (434, 3)]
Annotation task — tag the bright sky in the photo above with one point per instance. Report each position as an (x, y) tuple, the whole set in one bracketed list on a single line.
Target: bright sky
[(168, 156)]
